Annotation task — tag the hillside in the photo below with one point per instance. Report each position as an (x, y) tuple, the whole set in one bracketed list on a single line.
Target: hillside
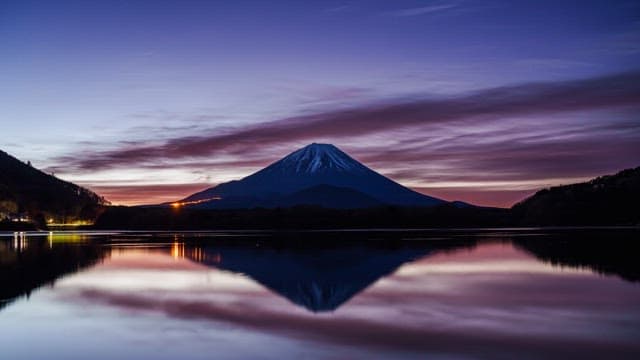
[(28, 192), (606, 200)]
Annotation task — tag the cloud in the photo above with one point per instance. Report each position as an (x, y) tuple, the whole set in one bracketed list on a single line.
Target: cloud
[(479, 194), (147, 193), (552, 63), (426, 332), (517, 158), (423, 10), (473, 109), (338, 9)]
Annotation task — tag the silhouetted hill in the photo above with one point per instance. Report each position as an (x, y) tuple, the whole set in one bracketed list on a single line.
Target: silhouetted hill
[(25, 189), (606, 200)]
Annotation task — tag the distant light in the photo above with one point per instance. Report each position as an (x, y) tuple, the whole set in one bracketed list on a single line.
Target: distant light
[(178, 204), (177, 250)]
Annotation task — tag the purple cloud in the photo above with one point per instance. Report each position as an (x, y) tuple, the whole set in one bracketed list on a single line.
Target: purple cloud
[(536, 99)]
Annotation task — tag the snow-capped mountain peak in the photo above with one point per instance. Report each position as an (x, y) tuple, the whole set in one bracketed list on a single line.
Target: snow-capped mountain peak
[(317, 158), (318, 173)]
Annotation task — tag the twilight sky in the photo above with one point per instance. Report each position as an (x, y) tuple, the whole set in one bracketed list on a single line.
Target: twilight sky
[(482, 101)]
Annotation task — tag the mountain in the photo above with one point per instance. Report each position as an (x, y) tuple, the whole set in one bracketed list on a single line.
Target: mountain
[(294, 179), (28, 191), (606, 200)]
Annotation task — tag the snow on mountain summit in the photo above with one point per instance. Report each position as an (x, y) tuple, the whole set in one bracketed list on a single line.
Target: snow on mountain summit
[(317, 158)]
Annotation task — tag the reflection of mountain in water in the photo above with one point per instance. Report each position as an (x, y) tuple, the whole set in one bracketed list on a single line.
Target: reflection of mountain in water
[(322, 278), (323, 274), (35, 263), (606, 253), (319, 279)]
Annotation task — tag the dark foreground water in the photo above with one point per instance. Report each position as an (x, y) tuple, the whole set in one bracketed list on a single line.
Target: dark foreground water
[(333, 295)]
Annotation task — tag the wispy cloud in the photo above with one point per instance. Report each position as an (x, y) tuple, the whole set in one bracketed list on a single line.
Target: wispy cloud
[(534, 99), (338, 9), (422, 10), (147, 193), (552, 63)]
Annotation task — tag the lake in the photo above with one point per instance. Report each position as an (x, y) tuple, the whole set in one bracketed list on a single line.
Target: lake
[(455, 294)]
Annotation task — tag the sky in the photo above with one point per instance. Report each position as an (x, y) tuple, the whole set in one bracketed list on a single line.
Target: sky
[(480, 101)]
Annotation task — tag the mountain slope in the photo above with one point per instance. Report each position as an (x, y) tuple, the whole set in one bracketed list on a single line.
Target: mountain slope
[(24, 189), (606, 200), (313, 165), (329, 197)]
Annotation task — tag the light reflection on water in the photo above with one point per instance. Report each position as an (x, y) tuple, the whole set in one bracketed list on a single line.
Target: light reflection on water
[(193, 296)]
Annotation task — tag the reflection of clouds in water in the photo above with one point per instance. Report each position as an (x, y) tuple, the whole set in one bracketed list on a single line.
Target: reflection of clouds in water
[(497, 287), (378, 333), (488, 258), (425, 306), (159, 273)]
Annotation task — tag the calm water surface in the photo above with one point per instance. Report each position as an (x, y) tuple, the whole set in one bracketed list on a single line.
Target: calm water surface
[(329, 295)]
